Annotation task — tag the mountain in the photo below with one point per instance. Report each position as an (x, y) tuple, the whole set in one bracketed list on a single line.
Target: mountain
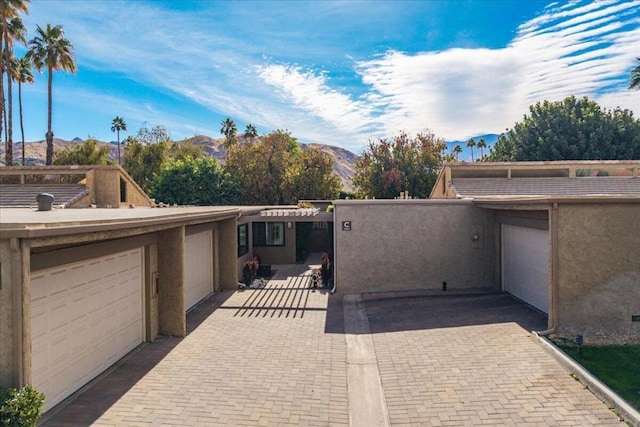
[(343, 160)]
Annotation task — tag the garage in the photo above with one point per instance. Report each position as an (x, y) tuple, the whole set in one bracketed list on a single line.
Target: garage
[(85, 316), (525, 265), (198, 267)]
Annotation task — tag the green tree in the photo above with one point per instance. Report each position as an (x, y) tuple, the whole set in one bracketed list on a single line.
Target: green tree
[(456, 151), (481, 144), (50, 50), (142, 161), (16, 32), (313, 177), (250, 133), (634, 80), (182, 149), (572, 129), (194, 181), (387, 168), (229, 130), (88, 152), (117, 125), (264, 169), (146, 153), (9, 11), (23, 74), (470, 144)]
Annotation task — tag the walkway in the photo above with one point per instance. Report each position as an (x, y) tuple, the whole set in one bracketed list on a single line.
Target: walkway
[(280, 356)]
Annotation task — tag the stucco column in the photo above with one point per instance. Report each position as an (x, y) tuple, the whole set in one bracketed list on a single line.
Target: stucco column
[(25, 274), (228, 254), (172, 318)]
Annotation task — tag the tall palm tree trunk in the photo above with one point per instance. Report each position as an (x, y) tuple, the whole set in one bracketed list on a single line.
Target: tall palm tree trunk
[(118, 132), (49, 132), (9, 121), (21, 124)]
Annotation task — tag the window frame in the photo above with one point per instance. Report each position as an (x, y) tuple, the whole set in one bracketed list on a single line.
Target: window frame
[(269, 234), (243, 249)]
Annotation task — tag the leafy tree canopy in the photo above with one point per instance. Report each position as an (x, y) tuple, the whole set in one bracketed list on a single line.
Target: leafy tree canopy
[(194, 181), (572, 129), (313, 176), (274, 171), (88, 152), (387, 168)]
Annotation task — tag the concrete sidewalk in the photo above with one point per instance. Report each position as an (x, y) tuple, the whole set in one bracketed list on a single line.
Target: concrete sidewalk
[(282, 355)]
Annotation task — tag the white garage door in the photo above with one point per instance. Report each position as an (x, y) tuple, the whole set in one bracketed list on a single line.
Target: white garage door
[(198, 267), (85, 316), (525, 264)]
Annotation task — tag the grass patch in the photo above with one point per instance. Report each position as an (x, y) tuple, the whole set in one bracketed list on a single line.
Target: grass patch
[(618, 366)]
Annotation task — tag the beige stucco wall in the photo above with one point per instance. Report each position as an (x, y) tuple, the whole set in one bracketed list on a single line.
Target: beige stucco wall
[(104, 186), (151, 273), (228, 254), (599, 270), (171, 305), (279, 254), (413, 245), (6, 320)]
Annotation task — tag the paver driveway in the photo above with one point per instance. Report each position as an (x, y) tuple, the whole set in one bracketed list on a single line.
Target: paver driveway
[(278, 356)]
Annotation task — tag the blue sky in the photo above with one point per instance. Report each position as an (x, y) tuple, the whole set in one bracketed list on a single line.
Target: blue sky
[(338, 73)]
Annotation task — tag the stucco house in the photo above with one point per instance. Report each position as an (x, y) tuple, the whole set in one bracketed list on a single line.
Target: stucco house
[(564, 237), (80, 288)]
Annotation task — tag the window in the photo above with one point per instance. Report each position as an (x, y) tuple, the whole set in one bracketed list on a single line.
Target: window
[(268, 234), (123, 191), (243, 240)]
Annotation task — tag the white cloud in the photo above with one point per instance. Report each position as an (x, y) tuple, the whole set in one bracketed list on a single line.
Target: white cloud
[(572, 48)]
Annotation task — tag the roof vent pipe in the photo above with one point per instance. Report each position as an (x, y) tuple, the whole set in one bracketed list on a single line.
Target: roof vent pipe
[(45, 201)]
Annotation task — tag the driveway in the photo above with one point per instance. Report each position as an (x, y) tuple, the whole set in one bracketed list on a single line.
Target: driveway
[(289, 355)]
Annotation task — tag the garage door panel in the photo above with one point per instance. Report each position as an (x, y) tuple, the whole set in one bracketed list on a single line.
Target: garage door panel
[(526, 265), (84, 321), (198, 267)]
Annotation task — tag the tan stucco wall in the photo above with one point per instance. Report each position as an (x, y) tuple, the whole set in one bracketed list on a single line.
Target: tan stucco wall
[(413, 244), (228, 254), (105, 187), (6, 314), (279, 254), (171, 305), (599, 270), (151, 291), (134, 196)]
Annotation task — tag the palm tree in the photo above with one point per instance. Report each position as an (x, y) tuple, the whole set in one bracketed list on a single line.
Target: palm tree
[(471, 143), (117, 125), (481, 144), (250, 133), (50, 50), (9, 9), (634, 82), (22, 74), (229, 130), (16, 31), (457, 150)]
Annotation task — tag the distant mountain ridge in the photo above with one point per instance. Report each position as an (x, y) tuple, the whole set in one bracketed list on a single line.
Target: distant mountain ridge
[(35, 153)]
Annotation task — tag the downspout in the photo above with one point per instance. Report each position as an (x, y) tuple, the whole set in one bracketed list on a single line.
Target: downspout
[(553, 303)]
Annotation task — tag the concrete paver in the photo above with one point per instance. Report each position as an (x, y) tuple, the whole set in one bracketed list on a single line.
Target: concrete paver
[(279, 356)]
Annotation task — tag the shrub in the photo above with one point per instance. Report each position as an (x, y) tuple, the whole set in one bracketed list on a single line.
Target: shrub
[(20, 408)]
